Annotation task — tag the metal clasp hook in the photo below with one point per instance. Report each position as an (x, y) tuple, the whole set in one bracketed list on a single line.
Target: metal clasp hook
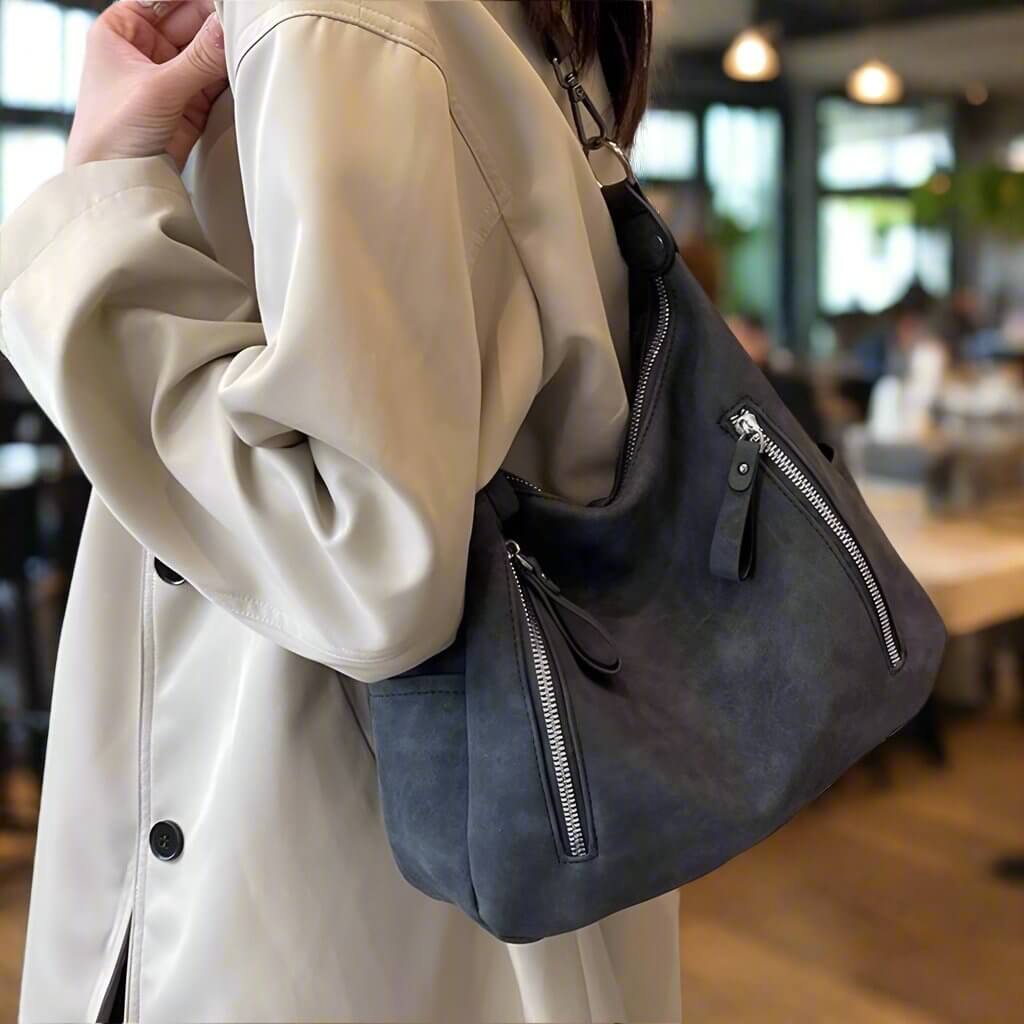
[(579, 100), (570, 82)]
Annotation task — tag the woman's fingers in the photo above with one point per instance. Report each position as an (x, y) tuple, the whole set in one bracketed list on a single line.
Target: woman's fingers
[(141, 93), (199, 66), (177, 20), (182, 19), (123, 23), (151, 10)]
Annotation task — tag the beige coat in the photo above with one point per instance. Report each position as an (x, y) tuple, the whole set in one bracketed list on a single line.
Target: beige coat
[(386, 271)]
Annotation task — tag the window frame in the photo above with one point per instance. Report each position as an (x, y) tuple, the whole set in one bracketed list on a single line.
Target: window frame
[(751, 99), (43, 117), (912, 100)]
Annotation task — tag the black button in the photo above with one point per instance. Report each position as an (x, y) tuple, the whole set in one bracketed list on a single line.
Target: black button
[(166, 840), (167, 574)]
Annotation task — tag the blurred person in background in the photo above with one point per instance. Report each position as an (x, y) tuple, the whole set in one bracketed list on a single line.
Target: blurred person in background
[(918, 337), (885, 346)]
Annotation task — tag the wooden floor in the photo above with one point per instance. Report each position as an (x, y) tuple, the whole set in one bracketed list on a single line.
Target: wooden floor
[(16, 845), (872, 907)]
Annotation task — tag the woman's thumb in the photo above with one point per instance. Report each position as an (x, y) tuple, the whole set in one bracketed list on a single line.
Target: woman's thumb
[(202, 63)]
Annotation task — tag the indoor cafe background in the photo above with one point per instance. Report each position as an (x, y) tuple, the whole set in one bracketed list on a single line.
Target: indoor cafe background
[(846, 179)]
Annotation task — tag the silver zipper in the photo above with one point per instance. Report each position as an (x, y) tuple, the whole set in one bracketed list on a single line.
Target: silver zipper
[(747, 425), (568, 802), (643, 381), (516, 479), (646, 369)]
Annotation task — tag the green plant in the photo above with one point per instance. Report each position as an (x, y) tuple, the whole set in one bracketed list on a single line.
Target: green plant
[(987, 197)]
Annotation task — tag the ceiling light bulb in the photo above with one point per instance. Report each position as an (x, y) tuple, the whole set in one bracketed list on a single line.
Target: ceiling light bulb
[(976, 94), (751, 57), (875, 82)]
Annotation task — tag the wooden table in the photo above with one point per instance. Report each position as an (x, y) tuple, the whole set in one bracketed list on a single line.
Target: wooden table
[(972, 565)]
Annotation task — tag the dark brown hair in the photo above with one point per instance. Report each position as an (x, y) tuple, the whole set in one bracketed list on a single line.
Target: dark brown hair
[(618, 32)]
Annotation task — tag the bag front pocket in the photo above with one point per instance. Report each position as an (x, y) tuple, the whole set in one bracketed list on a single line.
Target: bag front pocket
[(419, 735), (759, 444)]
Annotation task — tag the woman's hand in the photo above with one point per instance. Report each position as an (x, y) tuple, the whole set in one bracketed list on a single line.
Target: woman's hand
[(151, 74)]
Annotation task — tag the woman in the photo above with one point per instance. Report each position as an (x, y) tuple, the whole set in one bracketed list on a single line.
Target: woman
[(386, 271)]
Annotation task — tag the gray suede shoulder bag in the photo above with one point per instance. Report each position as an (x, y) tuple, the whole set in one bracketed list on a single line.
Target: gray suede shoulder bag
[(645, 686)]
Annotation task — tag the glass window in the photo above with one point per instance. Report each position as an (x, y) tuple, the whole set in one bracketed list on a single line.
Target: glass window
[(28, 157), (666, 146), (882, 147), (1015, 155), (871, 252), (743, 149), (31, 33)]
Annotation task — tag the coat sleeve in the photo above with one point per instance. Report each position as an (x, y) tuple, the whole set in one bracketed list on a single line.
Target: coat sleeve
[(310, 467)]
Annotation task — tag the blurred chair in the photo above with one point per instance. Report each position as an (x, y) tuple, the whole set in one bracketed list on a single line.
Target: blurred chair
[(70, 497), (13, 412), (19, 519)]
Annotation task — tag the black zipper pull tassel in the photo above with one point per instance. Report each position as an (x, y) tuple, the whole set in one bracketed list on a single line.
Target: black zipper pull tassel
[(586, 637), (732, 548)]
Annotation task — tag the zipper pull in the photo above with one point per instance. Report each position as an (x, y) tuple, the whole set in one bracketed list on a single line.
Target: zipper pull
[(586, 637), (732, 547)]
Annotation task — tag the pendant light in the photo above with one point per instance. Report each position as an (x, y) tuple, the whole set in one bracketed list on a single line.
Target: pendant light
[(976, 93), (874, 82), (751, 57)]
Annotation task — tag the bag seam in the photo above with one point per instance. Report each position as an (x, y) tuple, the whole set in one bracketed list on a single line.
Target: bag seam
[(415, 693)]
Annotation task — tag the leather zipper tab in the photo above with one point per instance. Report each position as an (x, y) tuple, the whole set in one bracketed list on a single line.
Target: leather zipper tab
[(586, 637), (732, 548)]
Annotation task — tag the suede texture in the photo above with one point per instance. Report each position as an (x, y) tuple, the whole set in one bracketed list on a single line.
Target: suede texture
[(738, 701)]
